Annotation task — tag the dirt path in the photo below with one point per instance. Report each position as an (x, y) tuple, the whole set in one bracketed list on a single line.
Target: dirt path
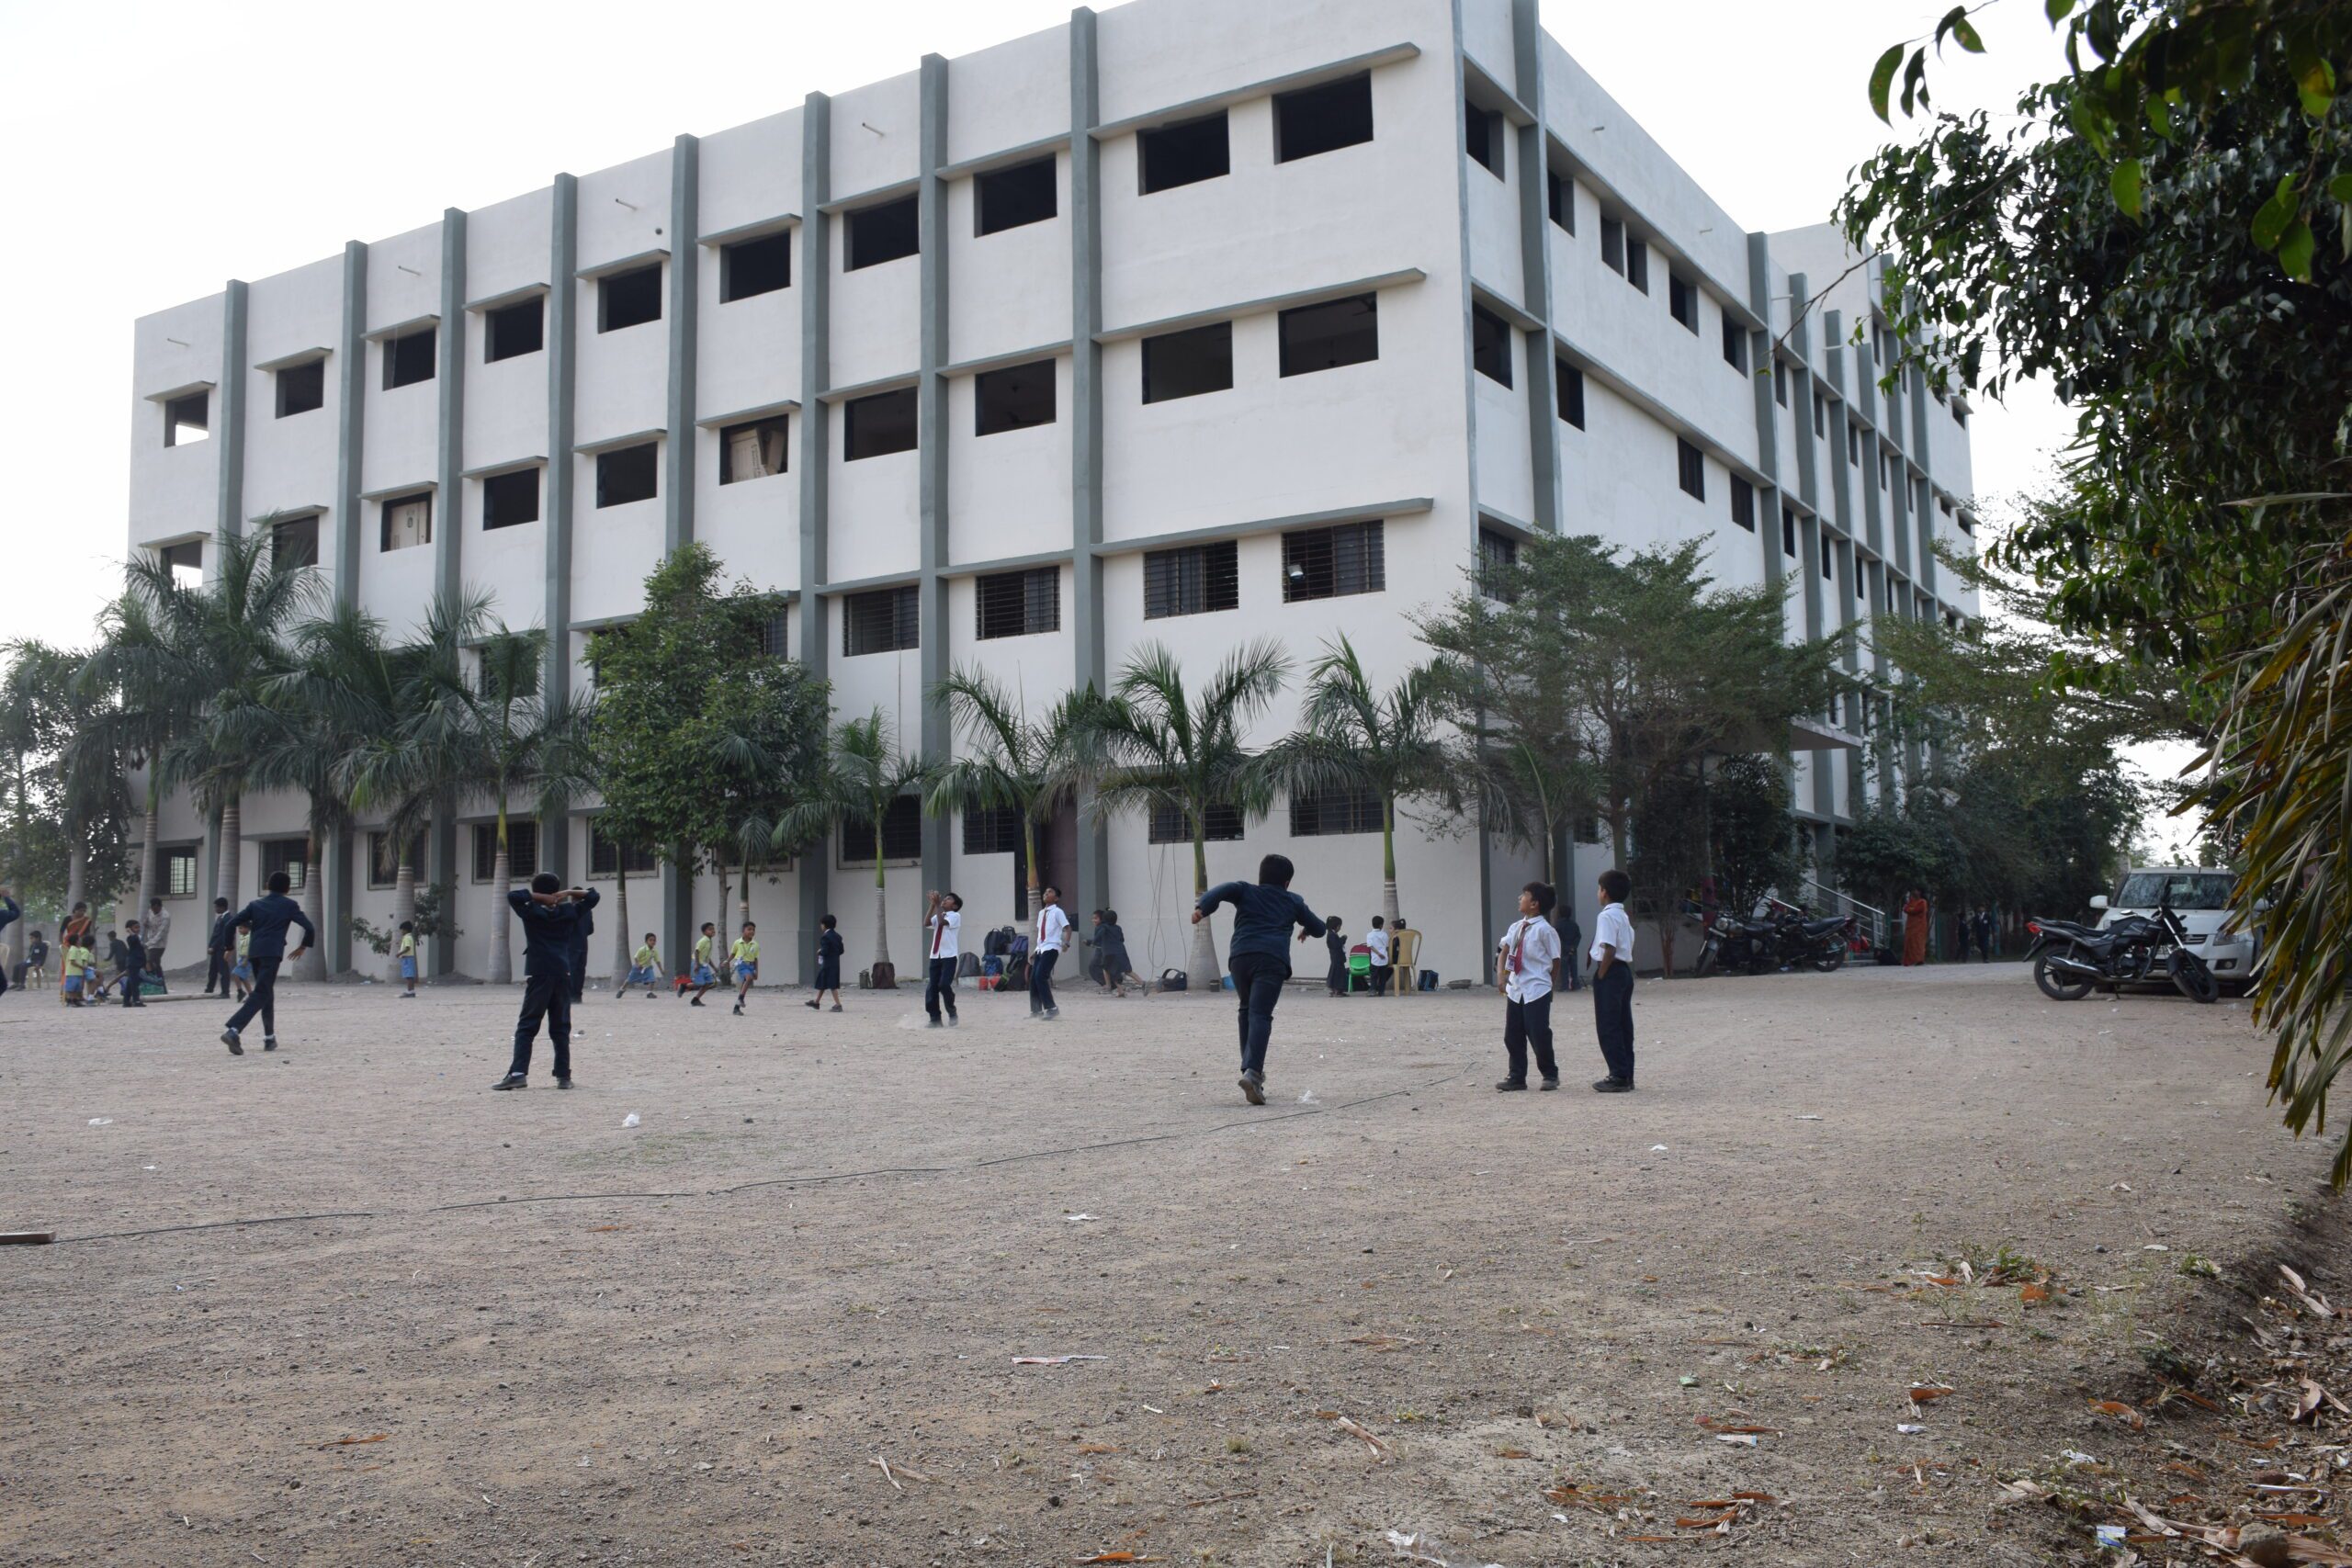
[(1393, 1300)]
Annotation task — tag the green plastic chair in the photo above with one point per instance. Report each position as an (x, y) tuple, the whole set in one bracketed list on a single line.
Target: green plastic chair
[(1359, 971)]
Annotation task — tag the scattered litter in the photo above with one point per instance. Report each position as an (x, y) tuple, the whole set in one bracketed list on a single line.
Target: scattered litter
[(2311, 1299), (101, 1120), (2155, 1246), (1928, 1393), (1155, 1409), (1078, 1219), (2111, 1537), (888, 1473), (629, 1119), (1054, 1360), (1909, 1428), (1808, 1118), (355, 1442), (1742, 1438), (1308, 1098), (2121, 1412), (1687, 1382), (1378, 1446), (1657, 1148), (2076, 1457)]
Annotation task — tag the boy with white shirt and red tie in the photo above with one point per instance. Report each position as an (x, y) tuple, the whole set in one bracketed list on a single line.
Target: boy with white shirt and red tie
[(1524, 967), (943, 918), (1047, 940)]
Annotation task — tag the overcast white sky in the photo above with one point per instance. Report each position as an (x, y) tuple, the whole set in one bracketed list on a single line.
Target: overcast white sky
[(149, 151)]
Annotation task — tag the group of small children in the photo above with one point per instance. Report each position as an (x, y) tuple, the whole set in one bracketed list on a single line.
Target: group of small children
[(742, 961), (80, 984)]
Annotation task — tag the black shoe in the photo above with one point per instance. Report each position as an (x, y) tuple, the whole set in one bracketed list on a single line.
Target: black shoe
[(1614, 1086), (1253, 1087), (512, 1080), (694, 1001), (229, 1038), (952, 1020), (1551, 1084), (933, 1024), (563, 1083), (739, 1009), (269, 1042), (1511, 1086), (812, 1005)]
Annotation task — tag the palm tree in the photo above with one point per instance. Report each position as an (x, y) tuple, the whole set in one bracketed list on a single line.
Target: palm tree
[(1353, 738), (1154, 747), (489, 731), (862, 773), (1008, 761), (136, 723)]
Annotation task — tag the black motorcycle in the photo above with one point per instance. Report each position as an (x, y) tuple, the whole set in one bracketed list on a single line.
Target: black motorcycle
[(1787, 937), (2070, 960)]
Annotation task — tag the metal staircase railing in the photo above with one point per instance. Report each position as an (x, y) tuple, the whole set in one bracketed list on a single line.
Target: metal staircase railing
[(1874, 921)]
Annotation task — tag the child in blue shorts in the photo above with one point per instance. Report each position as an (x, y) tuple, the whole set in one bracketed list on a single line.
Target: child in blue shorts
[(408, 959), (703, 976), (644, 969)]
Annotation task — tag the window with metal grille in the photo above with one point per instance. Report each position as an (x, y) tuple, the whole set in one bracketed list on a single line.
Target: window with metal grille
[(991, 829), (1569, 390), (1019, 604), (1787, 533), (1322, 118), (1682, 301), (629, 299), (179, 870), (1187, 364), (1482, 137), (628, 474), (1009, 198), (514, 330), (606, 858), (1192, 581), (384, 860), (1326, 336), (1326, 812), (1497, 552), (901, 835), (1490, 344), (294, 542), (885, 232), (510, 498), (1018, 397), (1588, 829), (887, 620), (408, 358), (1331, 563), (775, 633), (1743, 503), (753, 450), (1220, 824), (878, 425), (291, 856), (755, 266), (1691, 470), (301, 388), (1734, 344), (1560, 199), (522, 850), (1183, 155)]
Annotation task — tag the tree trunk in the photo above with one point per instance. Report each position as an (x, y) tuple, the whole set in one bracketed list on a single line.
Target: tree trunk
[(147, 857), (76, 866), (1031, 894), (404, 908), (1202, 973), (502, 919), (743, 899), (314, 963), (621, 964), (883, 970), (1388, 860), (232, 851)]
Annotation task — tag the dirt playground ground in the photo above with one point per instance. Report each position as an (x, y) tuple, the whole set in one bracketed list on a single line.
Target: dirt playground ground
[(341, 1304)]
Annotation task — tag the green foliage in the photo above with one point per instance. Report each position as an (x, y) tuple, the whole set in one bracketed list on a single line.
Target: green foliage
[(436, 917), (1008, 761), (65, 795), (1751, 834), (1892, 848)]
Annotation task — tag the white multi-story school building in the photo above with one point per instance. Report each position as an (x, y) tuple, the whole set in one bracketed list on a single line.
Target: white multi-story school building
[(1188, 321)]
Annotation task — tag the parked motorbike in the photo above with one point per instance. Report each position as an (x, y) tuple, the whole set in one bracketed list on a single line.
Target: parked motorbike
[(2070, 959), (1785, 938)]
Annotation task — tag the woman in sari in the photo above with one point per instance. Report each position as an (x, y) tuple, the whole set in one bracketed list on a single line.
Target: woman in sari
[(1915, 928)]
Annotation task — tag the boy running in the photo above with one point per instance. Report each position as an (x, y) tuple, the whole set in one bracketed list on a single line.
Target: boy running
[(645, 967), (943, 921), (265, 921), (1524, 967), (1263, 913), (703, 976), (745, 956), (829, 964), (550, 912), (408, 959)]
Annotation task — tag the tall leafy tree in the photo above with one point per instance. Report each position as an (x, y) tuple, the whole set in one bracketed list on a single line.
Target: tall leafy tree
[(70, 797), (1356, 737), (1010, 761), (1156, 744), (862, 773)]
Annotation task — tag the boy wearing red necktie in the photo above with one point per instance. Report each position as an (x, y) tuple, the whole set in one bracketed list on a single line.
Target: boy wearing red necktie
[(1524, 969)]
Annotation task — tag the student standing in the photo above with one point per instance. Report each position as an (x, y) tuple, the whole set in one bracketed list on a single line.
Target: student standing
[(265, 919), (1377, 942), (1571, 949), (942, 923), (745, 956), (407, 960), (134, 965), (1613, 983), (37, 960), (645, 967), (220, 945), (703, 976), (76, 974), (1983, 927), (1052, 936), (155, 930), (9, 913), (1524, 968), (829, 964), (550, 912), (1258, 958), (1335, 942)]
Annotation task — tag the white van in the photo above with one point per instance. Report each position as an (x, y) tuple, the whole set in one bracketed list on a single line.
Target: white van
[(2200, 897)]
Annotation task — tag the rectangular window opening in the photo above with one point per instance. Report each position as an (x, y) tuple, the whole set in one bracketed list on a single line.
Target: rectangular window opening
[(1560, 199), (301, 388), (1734, 344), (887, 232), (1780, 382), (1195, 580), (1322, 813), (1183, 155), (1682, 301), (1326, 336), (1568, 386), (992, 830), (1011, 198), (291, 856), (753, 450), (629, 299), (1637, 264), (628, 474), (510, 498), (1334, 562), (1219, 824), (1187, 364), (751, 267), (188, 419), (1482, 137), (878, 425), (1820, 417), (776, 634), (901, 835), (1490, 345), (1789, 532), (1497, 552), (1743, 503), (887, 620), (408, 358), (294, 542), (1019, 397), (607, 859), (1613, 245), (522, 850), (1322, 118), (1019, 604), (185, 560), (512, 331), (405, 522), (179, 870), (1691, 470)]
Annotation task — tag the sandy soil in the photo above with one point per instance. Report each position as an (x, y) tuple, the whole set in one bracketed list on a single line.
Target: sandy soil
[(484, 1328)]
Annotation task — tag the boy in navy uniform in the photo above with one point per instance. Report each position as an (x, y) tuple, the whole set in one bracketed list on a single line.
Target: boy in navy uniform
[(550, 914), (1263, 913), (265, 919)]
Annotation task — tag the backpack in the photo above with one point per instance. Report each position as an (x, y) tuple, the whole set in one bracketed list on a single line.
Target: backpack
[(1174, 980)]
